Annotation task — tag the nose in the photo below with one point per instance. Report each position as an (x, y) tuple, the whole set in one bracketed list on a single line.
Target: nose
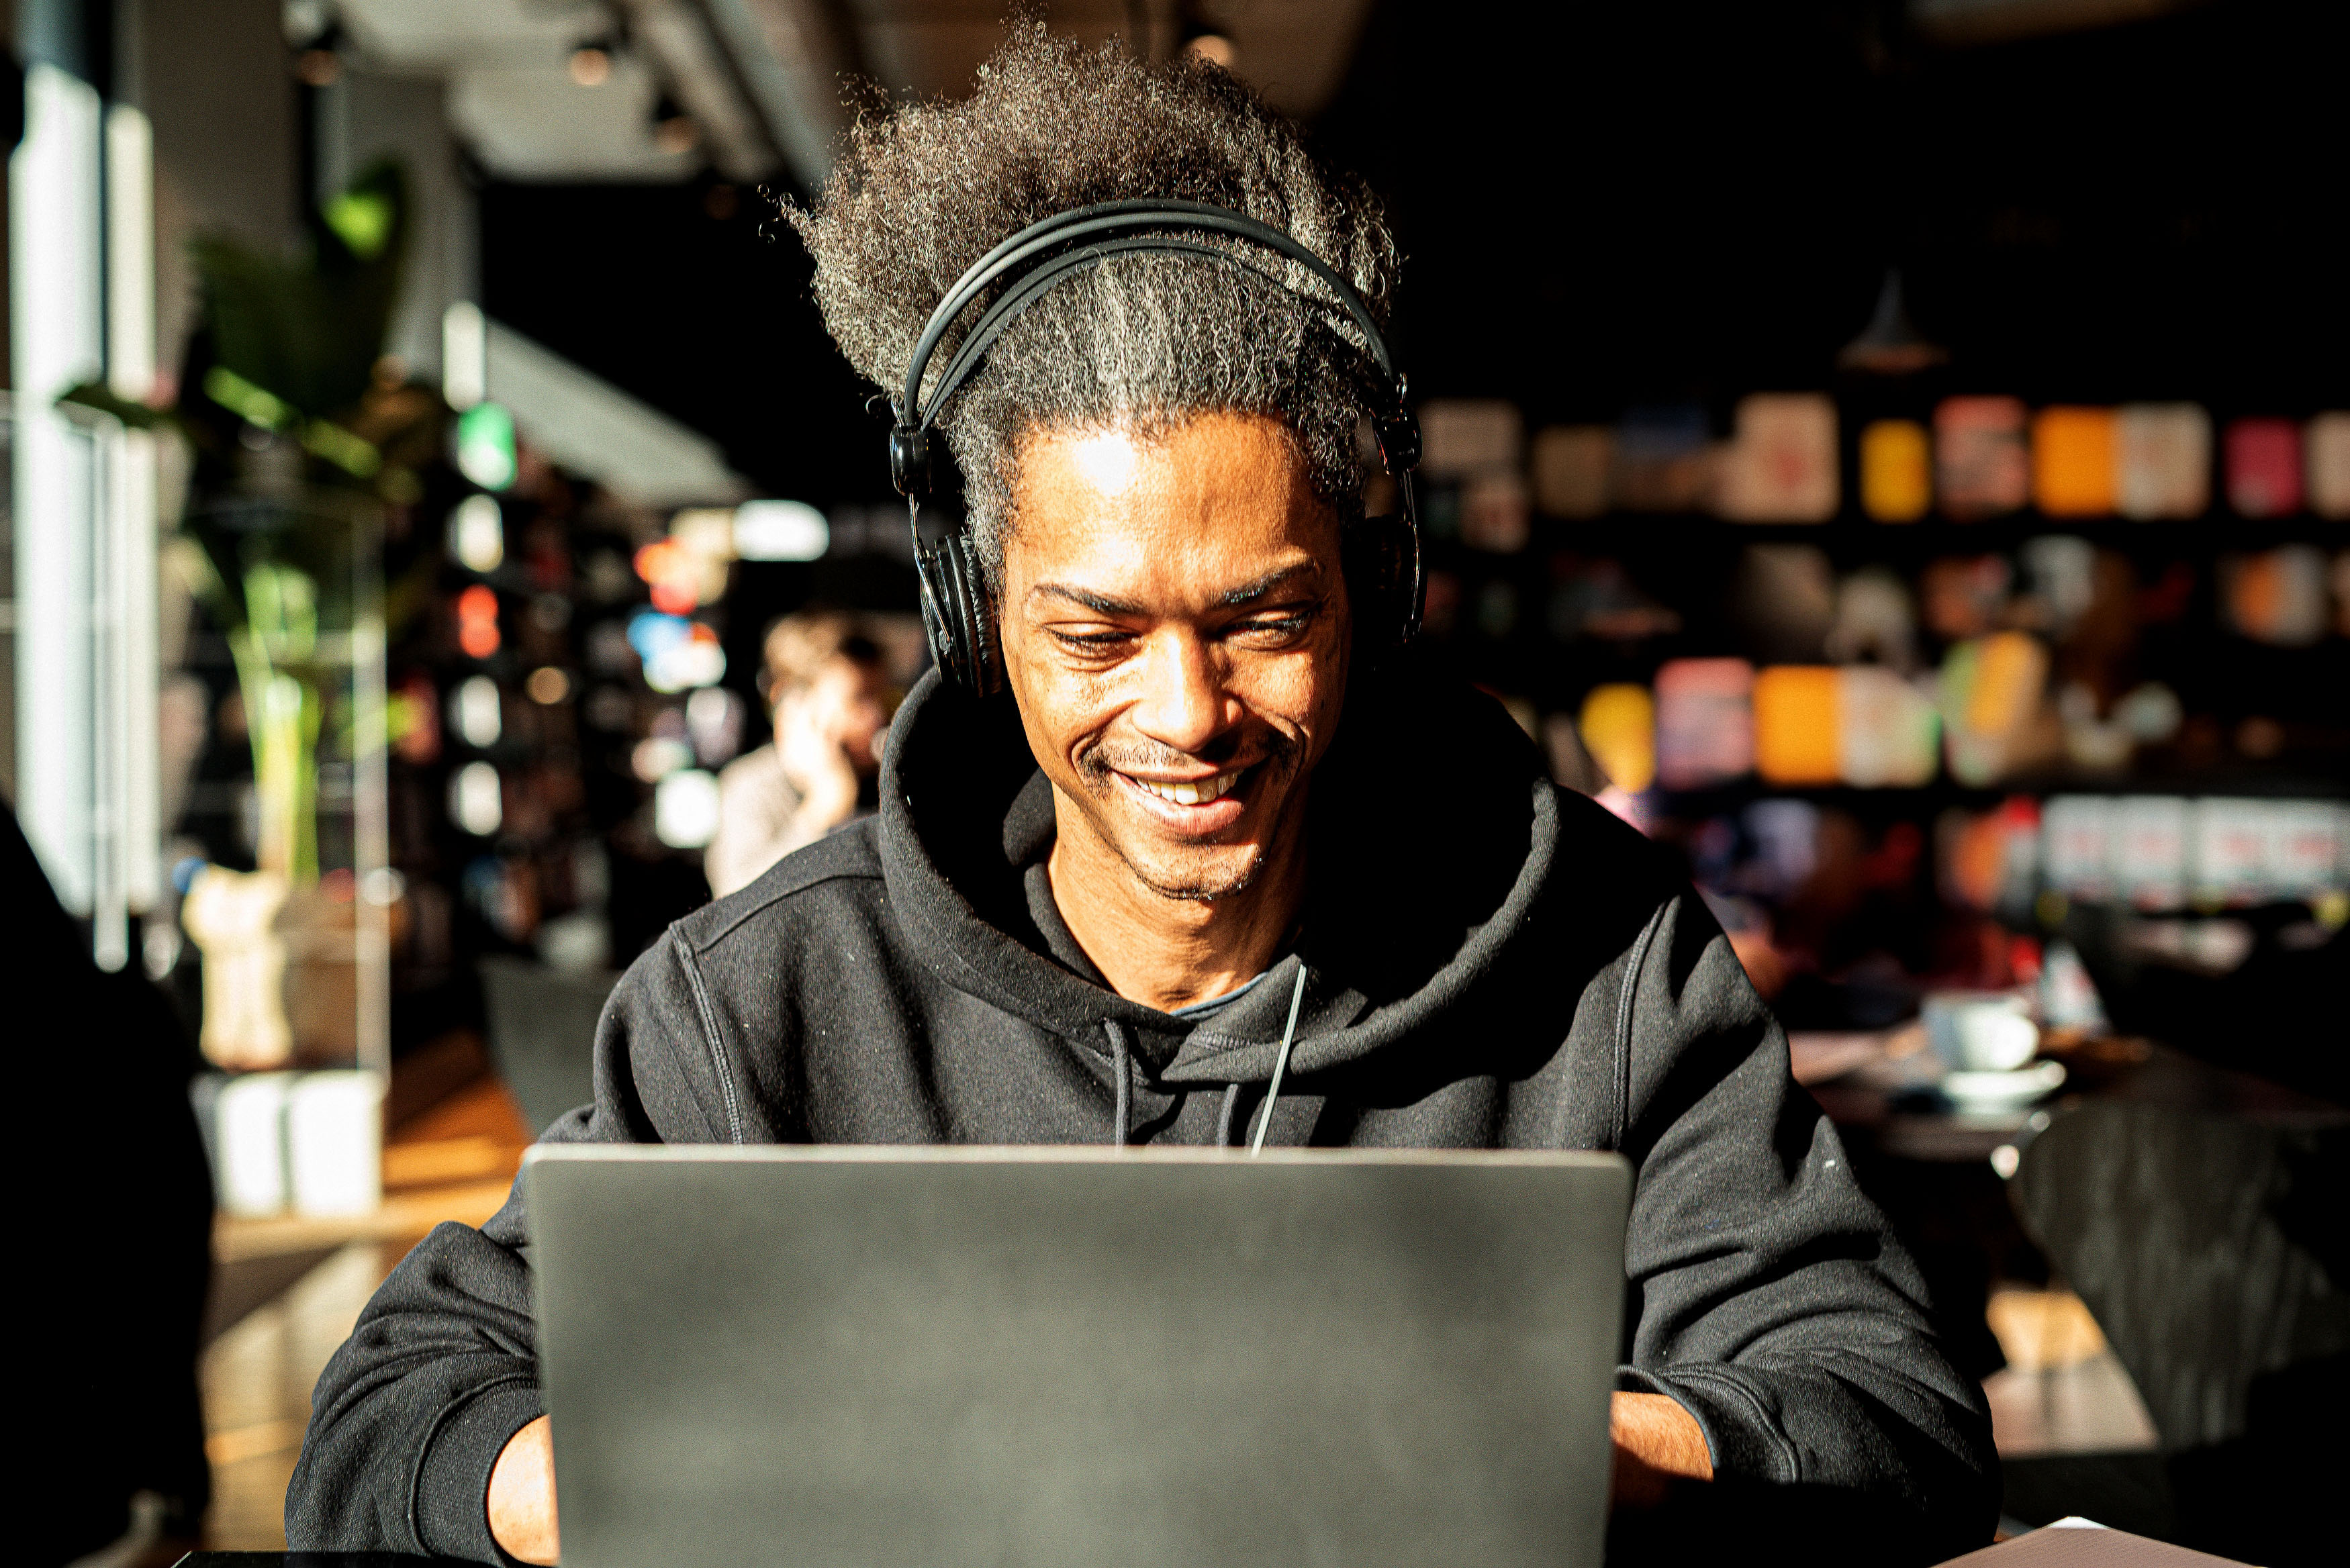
[(1184, 705)]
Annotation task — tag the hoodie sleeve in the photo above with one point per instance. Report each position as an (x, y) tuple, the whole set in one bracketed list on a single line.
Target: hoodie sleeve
[(441, 1369), (1769, 1295)]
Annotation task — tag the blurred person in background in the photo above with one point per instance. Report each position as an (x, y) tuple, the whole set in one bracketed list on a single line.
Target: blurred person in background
[(829, 699)]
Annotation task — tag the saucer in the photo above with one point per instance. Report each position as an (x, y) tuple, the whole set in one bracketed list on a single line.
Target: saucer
[(2018, 1086)]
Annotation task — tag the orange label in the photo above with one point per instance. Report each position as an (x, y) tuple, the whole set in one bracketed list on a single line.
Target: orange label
[(1798, 733), (2075, 465), (1897, 476), (1619, 731)]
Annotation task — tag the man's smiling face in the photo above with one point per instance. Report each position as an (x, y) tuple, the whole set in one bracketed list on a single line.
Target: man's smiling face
[(1174, 626)]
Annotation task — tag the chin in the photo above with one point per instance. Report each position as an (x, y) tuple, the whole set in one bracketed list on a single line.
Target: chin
[(1197, 878)]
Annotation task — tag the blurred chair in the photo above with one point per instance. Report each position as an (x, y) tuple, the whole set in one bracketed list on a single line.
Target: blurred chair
[(542, 1032), (2215, 1256), (2269, 1015)]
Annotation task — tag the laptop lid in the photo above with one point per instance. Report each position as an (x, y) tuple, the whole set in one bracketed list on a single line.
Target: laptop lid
[(1049, 1356)]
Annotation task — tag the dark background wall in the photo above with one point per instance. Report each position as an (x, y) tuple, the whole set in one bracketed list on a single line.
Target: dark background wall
[(1606, 203)]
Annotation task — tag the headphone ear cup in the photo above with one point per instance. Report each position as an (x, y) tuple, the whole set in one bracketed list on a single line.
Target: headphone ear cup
[(986, 670), (940, 626), (1383, 572), (955, 617)]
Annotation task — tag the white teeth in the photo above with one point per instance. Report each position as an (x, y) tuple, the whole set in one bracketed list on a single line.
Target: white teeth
[(1195, 794)]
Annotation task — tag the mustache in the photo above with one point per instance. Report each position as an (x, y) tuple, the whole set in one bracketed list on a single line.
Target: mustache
[(1097, 762)]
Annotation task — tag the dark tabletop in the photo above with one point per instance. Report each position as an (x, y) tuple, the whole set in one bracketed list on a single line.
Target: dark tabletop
[(1889, 1110)]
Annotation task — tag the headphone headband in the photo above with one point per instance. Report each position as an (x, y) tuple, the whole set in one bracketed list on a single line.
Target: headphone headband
[(954, 609), (910, 438)]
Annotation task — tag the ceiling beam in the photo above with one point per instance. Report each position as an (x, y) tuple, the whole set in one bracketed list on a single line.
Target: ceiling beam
[(789, 58)]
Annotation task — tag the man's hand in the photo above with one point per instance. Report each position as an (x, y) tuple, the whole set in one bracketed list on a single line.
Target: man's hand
[(1657, 1442), (522, 1495)]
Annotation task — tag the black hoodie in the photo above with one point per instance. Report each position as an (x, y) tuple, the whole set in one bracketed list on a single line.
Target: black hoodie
[(1491, 961)]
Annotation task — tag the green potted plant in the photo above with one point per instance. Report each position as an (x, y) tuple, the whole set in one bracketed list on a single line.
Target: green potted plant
[(301, 433)]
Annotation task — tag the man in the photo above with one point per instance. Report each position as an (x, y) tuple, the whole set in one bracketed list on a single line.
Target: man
[(825, 690), (1082, 913)]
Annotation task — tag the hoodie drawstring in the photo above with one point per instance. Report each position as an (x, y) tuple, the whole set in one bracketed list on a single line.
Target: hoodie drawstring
[(1122, 1066), (1224, 1117), (1279, 1062)]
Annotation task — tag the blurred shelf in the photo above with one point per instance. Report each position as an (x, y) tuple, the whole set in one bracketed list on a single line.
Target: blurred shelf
[(2215, 531), (2274, 782)]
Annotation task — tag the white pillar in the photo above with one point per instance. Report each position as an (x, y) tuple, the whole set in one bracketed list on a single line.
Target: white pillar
[(55, 269), (136, 670)]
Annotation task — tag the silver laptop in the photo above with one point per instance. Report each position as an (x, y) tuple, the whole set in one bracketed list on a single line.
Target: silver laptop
[(1066, 1358)]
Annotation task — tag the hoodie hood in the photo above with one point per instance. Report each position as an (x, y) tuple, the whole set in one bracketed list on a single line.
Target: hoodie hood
[(1434, 842)]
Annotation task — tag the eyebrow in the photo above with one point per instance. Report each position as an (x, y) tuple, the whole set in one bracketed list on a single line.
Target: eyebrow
[(1102, 604), (1266, 584)]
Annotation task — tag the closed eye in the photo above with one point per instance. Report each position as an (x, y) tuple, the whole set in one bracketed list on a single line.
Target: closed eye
[(1091, 642), (1281, 624)]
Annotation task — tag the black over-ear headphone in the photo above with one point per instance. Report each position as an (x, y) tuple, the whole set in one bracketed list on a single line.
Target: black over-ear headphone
[(1383, 565)]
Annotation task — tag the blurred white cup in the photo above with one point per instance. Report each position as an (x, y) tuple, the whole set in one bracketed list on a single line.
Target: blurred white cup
[(1980, 1032)]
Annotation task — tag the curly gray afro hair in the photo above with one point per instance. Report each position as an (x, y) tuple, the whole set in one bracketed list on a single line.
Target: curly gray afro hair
[(1142, 342)]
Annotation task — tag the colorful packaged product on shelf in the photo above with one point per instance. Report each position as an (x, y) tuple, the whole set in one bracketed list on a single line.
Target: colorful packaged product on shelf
[(2149, 851), (2326, 448), (1889, 735), (1570, 466), (1990, 861), (2062, 570), (1963, 594), (1874, 621), (1663, 458), (1780, 463), (1798, 738), (2164, 453), (1897, 471), (1980, 467), (1463, 436), (2277, 596), (2228, 863), (2073, 466), (1598, 598), (2264, 467), (1493, 513), (2076, 846), (1994, 692), (2093, 744), (1705, 721), (1618, 726), (2304, 842)]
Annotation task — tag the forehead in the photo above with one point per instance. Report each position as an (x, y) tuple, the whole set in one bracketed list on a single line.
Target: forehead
[(1219, 493)]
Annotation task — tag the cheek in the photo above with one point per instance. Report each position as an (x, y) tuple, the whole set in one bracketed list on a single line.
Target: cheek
[(1300, 692), (1060, 710)]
